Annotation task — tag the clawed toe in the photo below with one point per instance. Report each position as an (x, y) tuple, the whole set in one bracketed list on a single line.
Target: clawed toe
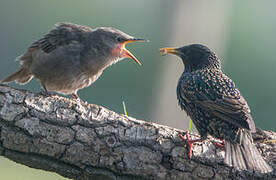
[(46, 93), (189, 142), (219, 145), (76, 97)]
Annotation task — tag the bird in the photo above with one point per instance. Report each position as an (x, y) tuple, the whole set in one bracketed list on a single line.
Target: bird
[(216, 106), (71, 57)]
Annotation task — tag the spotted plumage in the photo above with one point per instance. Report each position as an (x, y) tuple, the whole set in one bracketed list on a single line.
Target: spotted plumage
[(202, 91), (216, 106)]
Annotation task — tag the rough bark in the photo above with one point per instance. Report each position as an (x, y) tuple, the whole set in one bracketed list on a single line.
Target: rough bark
[(91, 142)]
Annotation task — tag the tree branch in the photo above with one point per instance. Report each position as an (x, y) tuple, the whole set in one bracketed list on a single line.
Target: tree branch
[(88, 141)]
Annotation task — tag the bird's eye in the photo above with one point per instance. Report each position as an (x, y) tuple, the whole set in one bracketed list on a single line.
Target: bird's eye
[(120, 39)]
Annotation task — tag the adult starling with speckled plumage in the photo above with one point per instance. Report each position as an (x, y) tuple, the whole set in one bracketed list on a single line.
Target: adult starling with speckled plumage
[(71, 57), (216, 106)]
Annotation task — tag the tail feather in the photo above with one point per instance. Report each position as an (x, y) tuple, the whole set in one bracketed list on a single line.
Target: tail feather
[(239, 157), (22, 76), (245, 155)]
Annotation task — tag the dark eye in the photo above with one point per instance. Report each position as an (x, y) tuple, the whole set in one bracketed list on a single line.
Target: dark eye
[(120, 39)]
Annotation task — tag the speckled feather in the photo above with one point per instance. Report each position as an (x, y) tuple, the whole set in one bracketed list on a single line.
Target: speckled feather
[(216, 107), (213, 101)]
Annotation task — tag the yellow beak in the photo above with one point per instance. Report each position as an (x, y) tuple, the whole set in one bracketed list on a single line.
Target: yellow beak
[(165, 51), (127, 53)]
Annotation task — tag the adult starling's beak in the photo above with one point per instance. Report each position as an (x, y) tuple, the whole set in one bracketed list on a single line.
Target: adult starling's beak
[(127, 53), (165, 51)]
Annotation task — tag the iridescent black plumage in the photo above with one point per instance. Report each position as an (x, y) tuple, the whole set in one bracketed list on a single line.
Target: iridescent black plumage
[(216, 106)]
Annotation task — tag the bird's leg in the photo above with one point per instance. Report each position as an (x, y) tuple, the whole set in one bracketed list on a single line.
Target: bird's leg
[(75, 96), (190, 142), (44, 91), (219, 145)]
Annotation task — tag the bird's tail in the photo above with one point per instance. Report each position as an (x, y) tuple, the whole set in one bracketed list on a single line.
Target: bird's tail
[(22, 76), (244, 155)]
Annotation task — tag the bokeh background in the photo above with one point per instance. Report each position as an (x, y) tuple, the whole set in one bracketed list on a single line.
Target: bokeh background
[(242, 33)]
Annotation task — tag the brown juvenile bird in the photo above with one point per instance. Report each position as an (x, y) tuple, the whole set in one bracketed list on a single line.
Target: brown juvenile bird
[(216, 106), (71, 57)]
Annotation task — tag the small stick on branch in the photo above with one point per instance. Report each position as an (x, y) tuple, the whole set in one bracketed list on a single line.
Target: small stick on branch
[(91, 142)]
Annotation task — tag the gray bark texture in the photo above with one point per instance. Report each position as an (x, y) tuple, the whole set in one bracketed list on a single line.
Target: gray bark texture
[(82, 141)]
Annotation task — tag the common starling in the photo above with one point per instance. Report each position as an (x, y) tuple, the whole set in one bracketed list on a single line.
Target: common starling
[(71, 57), (216, 106)]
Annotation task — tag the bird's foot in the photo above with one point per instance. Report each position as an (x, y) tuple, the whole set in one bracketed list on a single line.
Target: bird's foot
[(43, 92), (219, 145), (76, 97), (189, 142)]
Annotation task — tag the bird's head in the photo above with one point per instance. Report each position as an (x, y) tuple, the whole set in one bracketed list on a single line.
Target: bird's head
[(194, 56), (113, 42)]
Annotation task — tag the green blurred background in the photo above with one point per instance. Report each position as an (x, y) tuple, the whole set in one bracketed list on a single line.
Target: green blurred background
[(241, 32)]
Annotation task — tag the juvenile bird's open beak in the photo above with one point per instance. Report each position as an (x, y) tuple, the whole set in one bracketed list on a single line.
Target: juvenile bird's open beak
[(127, 53), (165, 51)]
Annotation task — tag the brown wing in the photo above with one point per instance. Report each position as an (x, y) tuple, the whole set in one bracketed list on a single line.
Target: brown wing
[(221, 99), (61, 34)]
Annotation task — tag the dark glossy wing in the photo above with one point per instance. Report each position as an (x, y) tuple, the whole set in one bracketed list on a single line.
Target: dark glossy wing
[(216, 93), (61, 34)]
